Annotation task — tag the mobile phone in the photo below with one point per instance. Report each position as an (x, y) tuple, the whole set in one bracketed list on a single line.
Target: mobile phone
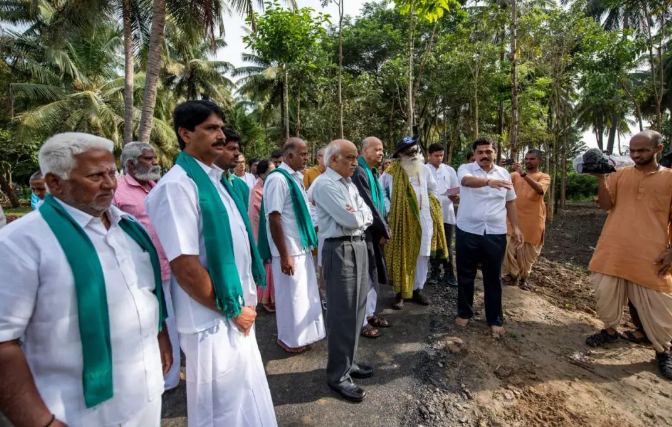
[(508, 162)]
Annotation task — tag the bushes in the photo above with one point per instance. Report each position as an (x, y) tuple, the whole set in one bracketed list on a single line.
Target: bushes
[(581, 187)]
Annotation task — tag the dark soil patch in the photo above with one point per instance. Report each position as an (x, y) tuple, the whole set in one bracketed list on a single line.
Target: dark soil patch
[(573, 234)]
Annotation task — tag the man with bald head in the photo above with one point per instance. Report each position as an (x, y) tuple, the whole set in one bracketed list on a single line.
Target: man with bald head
[(633, 257), (343, 218), (366, 180), (287, 236), (311, 174)]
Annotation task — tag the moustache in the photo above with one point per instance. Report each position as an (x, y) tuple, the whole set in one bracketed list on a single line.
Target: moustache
[(219, 144)]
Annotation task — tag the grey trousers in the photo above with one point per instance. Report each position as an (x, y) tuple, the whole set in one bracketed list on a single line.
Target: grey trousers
[(346, 272)]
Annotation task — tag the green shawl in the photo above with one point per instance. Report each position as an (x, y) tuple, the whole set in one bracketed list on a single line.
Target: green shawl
[(240, 188), (303, 219), (376, 188), (219, 245), (92, 310)]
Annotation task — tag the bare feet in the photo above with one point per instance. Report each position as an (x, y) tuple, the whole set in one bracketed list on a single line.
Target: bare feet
[(461, 322), (291, 349), (498, 330)]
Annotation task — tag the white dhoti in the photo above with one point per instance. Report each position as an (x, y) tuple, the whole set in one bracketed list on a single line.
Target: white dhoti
[(298, 309), (172, 378), (149, 417), (371, 301), (422, 263), (226, 382)]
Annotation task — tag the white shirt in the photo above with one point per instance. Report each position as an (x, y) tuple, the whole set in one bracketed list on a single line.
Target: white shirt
[(249, 179), (277, 198), (175, 213), (483, 210), (446, 178), (38, 302), (332, 193)]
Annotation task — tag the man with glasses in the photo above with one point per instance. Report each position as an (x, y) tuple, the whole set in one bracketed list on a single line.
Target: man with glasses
[(413, 219)]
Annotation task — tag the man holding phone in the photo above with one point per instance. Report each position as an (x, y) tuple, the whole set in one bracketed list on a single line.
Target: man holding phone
[(530, 186)]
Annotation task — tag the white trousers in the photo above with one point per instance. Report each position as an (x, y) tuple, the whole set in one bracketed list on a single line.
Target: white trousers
[(298, 309), (226, 382), (172, 378), (371, 300), (149, 417), (421, 269)]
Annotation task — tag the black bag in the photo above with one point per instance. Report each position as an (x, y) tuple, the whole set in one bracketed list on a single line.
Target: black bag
[(595, 161)]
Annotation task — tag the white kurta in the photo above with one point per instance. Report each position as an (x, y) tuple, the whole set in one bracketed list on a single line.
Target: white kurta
[(226, 385), (297, 298), (446, 178), (38, 303)]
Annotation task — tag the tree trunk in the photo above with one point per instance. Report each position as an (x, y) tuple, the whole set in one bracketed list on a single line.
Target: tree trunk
[(612, 133), (476, 100), (340, 65), (129, 73), (9, 191), (156, 38), (514, 87), (428, 51), (298, 111), (409, 119), (563, 164), (286, 88)]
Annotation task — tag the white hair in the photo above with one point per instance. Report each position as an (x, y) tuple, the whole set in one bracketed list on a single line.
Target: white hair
[(57, 154), (332, 150), (132, 151)]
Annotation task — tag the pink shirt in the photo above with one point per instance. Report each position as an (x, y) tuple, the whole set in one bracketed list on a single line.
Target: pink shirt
[(130, 198)]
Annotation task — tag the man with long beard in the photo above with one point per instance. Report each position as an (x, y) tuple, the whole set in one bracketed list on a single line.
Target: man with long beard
[(415, 221), (141, 171)]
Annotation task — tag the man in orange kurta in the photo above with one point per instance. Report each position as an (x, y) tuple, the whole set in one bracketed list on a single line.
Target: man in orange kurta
[(530, 186), (633, 257)]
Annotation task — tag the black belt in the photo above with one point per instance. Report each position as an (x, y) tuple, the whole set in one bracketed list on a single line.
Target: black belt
[(346, 238)]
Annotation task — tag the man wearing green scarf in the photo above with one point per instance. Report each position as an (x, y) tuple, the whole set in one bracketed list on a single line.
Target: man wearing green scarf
[(286, 237), (81, 287), (366, 180), (204, 229)]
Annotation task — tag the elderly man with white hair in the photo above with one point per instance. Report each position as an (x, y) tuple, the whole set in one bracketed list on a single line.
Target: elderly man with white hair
[(141, 171), (343, 218), (81, 286)]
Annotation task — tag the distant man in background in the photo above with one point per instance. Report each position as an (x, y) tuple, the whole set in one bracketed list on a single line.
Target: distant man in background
[(141, 171), (239, 171), (487, 199), (252, 164), (317, 170), (287, 236), (384, 165), (343, 219), (633, 257), (530, 186), (276, 157), (446, 178), (377, 234), (470, 157), (38, 189)]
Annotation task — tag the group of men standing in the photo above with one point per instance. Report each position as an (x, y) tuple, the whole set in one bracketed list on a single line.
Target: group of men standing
[(108, 278)]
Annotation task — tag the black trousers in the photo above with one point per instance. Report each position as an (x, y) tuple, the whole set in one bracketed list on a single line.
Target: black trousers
[(489, 251), (447, 263)]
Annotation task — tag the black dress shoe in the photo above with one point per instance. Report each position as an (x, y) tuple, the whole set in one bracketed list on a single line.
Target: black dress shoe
[(364, 371), (349, 391)]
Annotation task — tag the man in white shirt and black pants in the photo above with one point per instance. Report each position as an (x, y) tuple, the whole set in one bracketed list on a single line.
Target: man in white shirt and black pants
[(343, 218), (446, 178), (487, 199)]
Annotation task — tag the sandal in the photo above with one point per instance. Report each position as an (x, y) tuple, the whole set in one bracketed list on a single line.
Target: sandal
[(601, 338), (379, 322), (369, 331), (509, 280), (630, 336)]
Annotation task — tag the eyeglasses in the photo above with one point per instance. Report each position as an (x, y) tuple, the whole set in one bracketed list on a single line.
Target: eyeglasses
[(411, 153)]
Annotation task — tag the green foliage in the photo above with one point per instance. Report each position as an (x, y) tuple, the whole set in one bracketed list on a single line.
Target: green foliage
[(581, 187)]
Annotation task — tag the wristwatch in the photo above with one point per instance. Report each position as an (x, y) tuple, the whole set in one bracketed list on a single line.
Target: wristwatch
[(523, 174)]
